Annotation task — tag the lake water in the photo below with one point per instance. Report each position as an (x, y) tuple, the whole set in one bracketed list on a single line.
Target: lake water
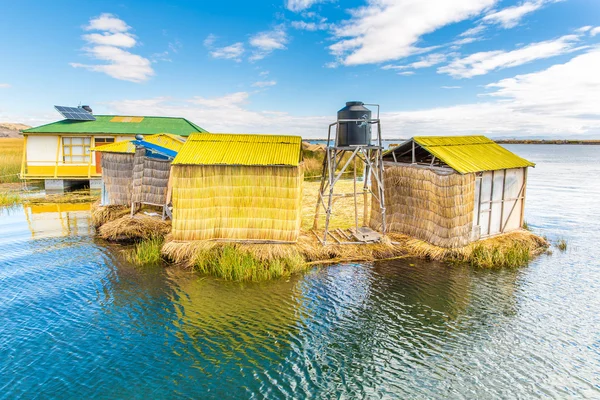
[(77, 322)]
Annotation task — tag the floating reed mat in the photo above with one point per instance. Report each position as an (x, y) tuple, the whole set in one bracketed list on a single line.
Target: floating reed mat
[(103, 214), (239, 261), (427, 204), (117, 175), (260, 203), (509, 250), (139, 227)]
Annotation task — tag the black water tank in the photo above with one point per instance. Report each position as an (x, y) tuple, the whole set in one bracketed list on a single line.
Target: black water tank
[(354, 133)]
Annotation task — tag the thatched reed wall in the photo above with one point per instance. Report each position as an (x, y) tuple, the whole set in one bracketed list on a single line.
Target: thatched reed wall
[(428, 204), (150, 179), (233, 202), (117, 174)]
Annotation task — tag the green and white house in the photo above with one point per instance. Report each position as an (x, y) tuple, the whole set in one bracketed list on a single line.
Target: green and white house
[(61, 152)]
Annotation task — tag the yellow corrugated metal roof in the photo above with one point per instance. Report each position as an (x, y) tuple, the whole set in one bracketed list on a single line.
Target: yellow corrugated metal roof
[(466, 154), (171, 142), (238, 149)]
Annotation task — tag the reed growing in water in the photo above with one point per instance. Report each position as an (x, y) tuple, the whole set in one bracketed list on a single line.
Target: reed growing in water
[(561, 244), (146, 252), (9, 199)]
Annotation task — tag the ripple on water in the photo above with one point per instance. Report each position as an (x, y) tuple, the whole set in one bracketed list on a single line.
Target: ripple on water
[(78, 322)]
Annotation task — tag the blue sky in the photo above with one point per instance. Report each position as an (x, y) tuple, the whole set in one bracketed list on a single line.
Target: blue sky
[(497, 67)]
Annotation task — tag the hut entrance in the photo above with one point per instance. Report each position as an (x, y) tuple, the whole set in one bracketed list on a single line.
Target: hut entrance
[(353, 143), (151, 171)]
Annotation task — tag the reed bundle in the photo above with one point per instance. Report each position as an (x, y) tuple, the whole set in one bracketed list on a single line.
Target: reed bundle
[(134, 228), (103, 214), (117, 175), (427, 204), (261, 203), (150, 179)]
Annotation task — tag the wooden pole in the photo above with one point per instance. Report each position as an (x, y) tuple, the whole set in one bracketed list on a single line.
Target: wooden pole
[(355, 200), (58, 142), (24, 159), (502, 202), (524, 195)]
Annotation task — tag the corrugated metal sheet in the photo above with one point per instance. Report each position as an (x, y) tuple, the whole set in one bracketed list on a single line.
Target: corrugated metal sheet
[(110, 124), (171, 142), (467, 154), (236, 149), (127, 119)]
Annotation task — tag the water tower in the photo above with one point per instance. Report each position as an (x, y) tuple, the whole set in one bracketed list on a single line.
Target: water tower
[(353, 142)]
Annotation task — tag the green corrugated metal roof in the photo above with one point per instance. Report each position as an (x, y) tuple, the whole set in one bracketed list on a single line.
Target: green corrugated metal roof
[(171, 142), (237, 149), (103, 124), (467, 154)]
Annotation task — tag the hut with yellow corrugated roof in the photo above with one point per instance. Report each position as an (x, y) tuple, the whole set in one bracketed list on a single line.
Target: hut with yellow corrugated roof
[(131, 175), (237, 187), (452, 190)]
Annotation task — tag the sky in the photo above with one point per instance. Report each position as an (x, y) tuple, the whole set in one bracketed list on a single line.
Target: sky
[(501, 68)]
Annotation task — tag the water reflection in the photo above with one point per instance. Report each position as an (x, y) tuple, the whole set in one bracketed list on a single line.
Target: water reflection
[(58, 220), (76, 321)]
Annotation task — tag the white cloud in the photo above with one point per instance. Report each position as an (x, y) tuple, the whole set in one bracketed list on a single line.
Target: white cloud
[(268, 41), (264, 73), (121, 64), (561, 100), (4, 85), (230, 100), (210, 40), (424, 62), (232, 52), (387, 30), (109, 46), (406, 73), (509, 17), (484, 62), (570, 89), (118, 39), (595, 31), (584, 29), (310, 26), (107, 22), (473, 31), (299, 5), (450, 87), (224, 114), (262, 84)]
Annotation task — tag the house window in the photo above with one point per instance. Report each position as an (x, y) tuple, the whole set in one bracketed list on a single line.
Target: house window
[(99, 141), (76, 150)]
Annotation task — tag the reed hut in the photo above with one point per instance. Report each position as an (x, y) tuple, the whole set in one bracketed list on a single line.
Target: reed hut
[(120, 161), (236, 187), (452, 190)]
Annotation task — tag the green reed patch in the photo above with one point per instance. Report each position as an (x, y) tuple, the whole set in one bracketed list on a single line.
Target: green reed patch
[(512, 256), (231, 263), (9, 199), (146, 252), (561, 245)]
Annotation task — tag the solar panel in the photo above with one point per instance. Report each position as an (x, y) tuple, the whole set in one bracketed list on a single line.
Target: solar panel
[(75, 113)]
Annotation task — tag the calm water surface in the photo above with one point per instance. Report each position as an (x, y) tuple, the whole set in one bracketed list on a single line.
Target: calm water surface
[(77, 322)]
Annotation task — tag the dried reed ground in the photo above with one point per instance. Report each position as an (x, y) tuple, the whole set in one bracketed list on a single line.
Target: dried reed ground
[(252, 262)]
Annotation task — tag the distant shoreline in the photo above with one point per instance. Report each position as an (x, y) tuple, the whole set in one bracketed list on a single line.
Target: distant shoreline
[(553, 141), (504, 141)]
